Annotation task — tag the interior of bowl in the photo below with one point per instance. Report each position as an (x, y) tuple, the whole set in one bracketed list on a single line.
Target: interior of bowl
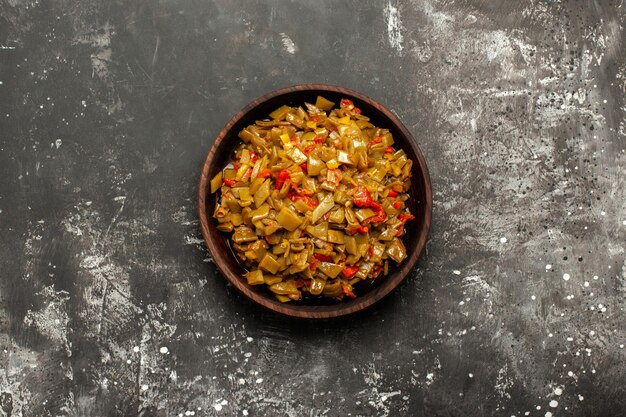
[(419, 203)]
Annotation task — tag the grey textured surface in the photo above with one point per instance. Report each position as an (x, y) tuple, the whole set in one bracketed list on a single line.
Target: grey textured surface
[(110, 306)]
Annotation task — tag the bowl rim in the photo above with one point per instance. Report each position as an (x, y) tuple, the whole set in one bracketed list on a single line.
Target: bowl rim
[(311, 311)]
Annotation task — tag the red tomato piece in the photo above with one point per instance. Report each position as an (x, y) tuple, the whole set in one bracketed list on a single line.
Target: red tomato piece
[(282, 177), (362, 197), (265, 173)]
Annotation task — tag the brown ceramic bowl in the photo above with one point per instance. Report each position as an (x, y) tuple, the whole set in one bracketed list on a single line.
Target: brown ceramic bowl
[(420, 203)]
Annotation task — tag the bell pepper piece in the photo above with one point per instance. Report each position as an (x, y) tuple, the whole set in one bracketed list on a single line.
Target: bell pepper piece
[(323, 258), (350, 271)]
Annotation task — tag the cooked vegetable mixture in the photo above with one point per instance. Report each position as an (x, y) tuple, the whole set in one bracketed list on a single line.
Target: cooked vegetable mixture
[(314, 200)]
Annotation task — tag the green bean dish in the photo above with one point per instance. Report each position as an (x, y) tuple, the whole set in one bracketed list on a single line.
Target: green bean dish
[(314, 201)]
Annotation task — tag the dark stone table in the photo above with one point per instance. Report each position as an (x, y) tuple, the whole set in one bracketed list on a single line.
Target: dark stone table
[(111, 307)]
